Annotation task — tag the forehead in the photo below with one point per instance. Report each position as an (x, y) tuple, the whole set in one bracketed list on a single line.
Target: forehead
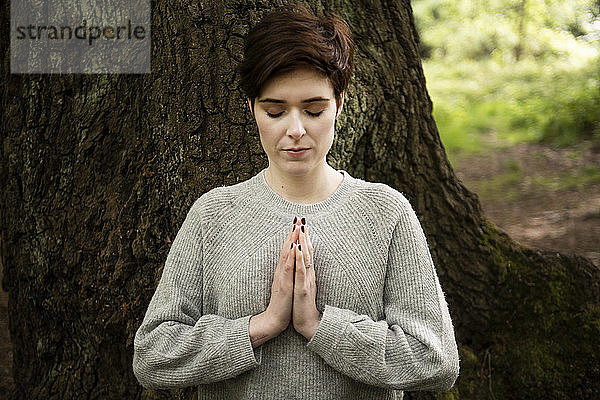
[(301, 83)]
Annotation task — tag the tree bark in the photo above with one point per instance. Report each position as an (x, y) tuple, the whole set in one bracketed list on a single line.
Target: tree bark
[(99, 171)]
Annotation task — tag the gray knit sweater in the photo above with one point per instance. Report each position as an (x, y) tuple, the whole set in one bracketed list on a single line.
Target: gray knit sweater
[(385, 326)]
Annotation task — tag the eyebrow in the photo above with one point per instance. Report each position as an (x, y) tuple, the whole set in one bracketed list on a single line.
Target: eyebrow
[(278, 101)]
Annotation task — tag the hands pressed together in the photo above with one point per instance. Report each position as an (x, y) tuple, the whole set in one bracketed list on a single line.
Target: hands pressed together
[(293, 292)]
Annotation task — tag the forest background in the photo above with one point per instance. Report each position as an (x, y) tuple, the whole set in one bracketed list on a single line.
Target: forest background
[(515, 86)]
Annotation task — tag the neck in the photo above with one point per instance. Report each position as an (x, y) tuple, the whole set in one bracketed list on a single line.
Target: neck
[(310, 188)]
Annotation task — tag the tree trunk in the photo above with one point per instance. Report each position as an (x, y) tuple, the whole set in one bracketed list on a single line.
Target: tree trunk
[(521, 11), (99, 171)]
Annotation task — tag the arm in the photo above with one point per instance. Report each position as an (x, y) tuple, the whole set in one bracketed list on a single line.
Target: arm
[(414, 347), (177, 346)]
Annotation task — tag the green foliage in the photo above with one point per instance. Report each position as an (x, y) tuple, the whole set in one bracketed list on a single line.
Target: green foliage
[(514, 70), (524, 101), (466, 29), (575, 113)]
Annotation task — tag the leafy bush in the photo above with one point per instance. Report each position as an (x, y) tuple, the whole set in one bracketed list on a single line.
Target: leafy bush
[(515, 102), (575, 113), (512, 70)]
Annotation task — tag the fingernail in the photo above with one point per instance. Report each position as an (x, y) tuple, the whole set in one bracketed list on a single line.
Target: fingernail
[(294, 228), (295, 219), (302, 227), (303, 221), (292, 246), (300, 247)]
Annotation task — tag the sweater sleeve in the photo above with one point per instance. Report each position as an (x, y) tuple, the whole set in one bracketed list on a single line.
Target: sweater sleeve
[(414, 347), (177, 346)]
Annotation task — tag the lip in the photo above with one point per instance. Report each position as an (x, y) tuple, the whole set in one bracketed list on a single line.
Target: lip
[(295, 148), (296, 151)]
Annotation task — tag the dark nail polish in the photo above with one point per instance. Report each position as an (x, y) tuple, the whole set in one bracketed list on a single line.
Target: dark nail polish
[(303, 221), (295, 219), (294, 228), (300, 247), (302, 227), (292, 246)]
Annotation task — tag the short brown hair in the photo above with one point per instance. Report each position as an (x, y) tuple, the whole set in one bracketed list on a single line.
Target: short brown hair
[(290, 37)]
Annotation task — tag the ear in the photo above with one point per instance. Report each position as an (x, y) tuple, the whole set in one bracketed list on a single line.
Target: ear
[(340, 105)]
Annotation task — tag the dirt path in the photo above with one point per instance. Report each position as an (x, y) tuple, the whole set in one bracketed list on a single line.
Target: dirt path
[(542, 197)]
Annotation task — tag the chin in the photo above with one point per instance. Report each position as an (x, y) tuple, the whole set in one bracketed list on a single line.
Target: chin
[(297, 171), (296, 168)]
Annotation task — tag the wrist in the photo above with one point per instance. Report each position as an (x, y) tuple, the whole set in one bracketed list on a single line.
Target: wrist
[(261, 329), (309, 332)]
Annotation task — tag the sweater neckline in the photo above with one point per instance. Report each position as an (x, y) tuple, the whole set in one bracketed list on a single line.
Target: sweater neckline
[(275, 199)]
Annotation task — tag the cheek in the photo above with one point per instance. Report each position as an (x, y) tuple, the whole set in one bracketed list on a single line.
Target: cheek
[(265, 127), (269, 134), (324, 125)]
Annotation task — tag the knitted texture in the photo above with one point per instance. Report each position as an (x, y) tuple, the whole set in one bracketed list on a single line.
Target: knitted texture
[(385, 325)]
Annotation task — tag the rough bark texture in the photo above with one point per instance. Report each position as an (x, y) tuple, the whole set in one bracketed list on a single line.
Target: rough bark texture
[(98, 172)]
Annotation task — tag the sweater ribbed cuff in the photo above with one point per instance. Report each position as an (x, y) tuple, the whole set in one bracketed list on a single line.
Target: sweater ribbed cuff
[(244, 357), (330, 330)]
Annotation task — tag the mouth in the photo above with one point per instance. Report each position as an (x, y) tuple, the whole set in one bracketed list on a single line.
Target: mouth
[(296, 151)]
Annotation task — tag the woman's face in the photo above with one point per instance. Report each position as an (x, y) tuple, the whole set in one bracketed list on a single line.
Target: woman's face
[(295, 114)]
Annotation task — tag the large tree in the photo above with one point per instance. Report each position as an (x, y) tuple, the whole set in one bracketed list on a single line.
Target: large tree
[(98, 172)]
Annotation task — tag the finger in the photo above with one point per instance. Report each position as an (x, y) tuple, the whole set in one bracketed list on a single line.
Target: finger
[(296, 227), (310, 246), (300, 226), (295, 233), (288, 239), (289, 261), (300, 268), (310, 264), (306, 253), (282, 266)]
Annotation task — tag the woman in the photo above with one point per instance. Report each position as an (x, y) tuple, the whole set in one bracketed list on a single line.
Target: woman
[(302, 282)]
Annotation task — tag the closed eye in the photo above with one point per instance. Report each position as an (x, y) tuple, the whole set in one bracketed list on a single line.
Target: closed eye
[(279, 114)]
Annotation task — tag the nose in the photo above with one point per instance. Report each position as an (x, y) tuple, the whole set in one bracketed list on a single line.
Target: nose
[(295, 127)]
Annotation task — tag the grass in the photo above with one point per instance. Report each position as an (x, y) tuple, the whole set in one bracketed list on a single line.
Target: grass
[(514, 183), (530, 101), (578, 179), (503, 186)]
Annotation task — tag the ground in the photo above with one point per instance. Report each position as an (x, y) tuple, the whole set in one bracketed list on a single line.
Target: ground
[(541, 196)]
